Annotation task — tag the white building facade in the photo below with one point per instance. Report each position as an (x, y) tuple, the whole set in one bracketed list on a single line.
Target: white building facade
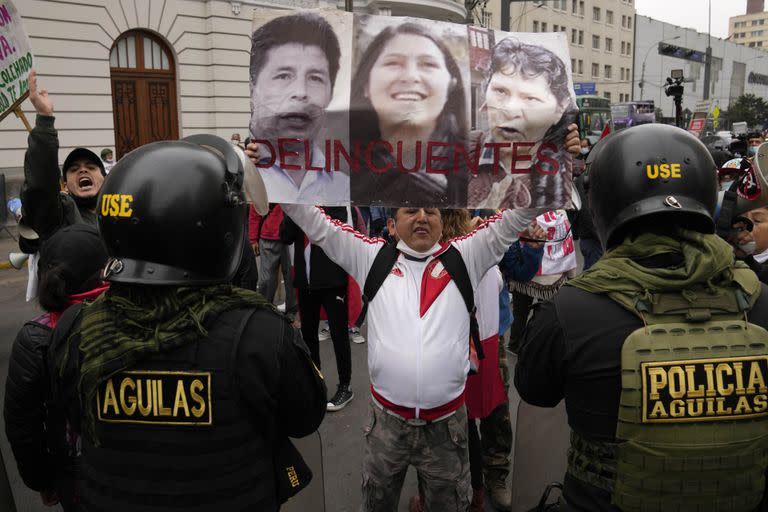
[(126, 72), (661, 47), (601, 35)]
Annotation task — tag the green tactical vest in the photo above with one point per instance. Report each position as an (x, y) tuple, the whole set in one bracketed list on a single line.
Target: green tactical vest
[(692, 433)]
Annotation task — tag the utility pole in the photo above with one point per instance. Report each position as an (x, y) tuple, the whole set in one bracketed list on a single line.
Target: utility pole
[(505, 13), (708, 57)]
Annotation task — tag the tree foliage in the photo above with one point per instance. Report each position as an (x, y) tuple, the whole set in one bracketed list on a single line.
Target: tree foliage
[(749, 108)]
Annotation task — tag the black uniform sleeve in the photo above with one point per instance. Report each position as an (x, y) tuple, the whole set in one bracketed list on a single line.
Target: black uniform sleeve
[(758, 268), (24, 411), (40, 202), (539, 374), (276, 376)]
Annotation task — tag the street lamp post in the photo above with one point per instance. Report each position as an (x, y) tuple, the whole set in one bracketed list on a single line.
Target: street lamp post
[(708, 56), (642, 73)]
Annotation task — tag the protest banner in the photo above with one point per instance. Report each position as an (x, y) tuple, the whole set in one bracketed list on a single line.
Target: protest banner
[(387, 111), (15, 61)]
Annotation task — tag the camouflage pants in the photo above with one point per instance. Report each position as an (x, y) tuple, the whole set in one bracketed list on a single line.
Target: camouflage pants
[(438, 451), (496, 433)]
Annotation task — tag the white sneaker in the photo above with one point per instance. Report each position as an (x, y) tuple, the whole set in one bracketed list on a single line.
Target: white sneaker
[(356, 337), (281, 307), (324, 335)]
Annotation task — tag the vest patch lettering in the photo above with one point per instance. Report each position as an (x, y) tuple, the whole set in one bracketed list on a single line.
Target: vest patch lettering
[(156, 397), (722, 389)]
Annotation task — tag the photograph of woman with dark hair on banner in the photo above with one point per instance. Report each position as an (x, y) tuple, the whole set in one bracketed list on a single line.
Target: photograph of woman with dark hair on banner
[(528, 105), (408, 114)]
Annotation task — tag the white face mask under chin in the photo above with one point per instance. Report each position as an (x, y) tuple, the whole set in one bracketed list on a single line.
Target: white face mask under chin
[(749, 247), (407, 249)]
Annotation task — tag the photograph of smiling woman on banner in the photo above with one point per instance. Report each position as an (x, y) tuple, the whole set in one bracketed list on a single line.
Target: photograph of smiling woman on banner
[(409, 112), (527, 104), (299, 78)]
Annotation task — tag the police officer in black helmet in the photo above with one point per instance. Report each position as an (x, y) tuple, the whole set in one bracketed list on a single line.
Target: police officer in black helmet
[(184, 387), (660, 349)]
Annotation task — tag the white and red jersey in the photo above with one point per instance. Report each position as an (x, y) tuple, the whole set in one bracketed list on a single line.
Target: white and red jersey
[(418, 326), (559, 254)]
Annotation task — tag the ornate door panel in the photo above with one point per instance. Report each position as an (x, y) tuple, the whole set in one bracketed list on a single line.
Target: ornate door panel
[(143, 91)]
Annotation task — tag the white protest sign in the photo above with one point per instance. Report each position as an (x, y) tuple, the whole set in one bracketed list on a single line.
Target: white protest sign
[(15, 59)]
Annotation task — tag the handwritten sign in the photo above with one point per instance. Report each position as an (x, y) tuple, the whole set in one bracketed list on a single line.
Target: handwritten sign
[(387, 111), (15, 59)]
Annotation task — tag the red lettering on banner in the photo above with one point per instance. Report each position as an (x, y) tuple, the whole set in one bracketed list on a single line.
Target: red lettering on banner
[(369, 156), (353, 162), (273, 158), (436, 158), (286, 153), (417, 161), (543, 156), (496, 147), (473, 164), (520, 158), (308, 157)]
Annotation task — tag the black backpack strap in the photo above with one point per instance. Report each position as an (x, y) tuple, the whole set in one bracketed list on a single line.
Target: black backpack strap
[(382, 265), (457, 269)]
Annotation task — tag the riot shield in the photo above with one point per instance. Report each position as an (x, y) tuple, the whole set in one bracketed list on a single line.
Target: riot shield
[(6, 495), (313, 497), (540, 451), (541, 446)]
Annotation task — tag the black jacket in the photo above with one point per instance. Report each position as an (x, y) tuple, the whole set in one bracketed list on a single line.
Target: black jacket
[(257, 385), (45, 208), (24, 411), (761, 269), (572, 351), (323, 273)]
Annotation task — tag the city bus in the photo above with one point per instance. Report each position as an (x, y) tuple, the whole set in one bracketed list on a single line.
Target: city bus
[(594, 116), (633, 113)]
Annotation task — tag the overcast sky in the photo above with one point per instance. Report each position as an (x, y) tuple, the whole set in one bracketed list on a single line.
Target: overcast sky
[(693, 13)]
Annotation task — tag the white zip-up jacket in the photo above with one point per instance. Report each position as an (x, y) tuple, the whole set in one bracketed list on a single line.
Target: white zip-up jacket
[(418, 325)]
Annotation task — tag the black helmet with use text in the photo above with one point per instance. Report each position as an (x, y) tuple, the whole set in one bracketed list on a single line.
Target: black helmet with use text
[(173, 213), (658, 173)]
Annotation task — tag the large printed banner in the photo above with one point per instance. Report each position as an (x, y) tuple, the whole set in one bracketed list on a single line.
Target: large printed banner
[(15, 59), (387, 111)]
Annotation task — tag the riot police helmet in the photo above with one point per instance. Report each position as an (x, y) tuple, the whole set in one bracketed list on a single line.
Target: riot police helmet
[(173, 213), (657, 173)]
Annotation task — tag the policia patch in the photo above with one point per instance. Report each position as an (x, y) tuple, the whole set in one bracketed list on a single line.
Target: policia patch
[(156, 398), (721, 389)]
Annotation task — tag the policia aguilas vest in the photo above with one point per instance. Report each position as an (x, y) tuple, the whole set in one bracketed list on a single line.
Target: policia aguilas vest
[(173, 436), (692, 433)]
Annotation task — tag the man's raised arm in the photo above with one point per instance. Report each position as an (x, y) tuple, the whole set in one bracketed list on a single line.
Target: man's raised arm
[(352, 251), (486, 245), (40, 191)]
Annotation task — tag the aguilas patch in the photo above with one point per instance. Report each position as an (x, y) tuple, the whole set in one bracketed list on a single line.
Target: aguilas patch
[(720, 389), (157, 398)]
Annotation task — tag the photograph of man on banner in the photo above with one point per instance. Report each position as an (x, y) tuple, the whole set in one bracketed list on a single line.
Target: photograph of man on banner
[(528, 105), (295, 63), (409, 109)]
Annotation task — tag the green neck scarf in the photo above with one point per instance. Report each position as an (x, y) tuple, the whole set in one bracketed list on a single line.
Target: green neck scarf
[(130, 323), (704, 260)]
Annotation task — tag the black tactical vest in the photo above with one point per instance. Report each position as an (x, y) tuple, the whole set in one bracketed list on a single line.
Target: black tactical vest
[(173, 434)]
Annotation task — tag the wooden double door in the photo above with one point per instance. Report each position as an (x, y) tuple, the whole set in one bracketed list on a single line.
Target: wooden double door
[(143, 91)]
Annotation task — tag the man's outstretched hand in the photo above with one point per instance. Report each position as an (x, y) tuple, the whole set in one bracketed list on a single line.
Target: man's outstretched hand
[(40, 100)]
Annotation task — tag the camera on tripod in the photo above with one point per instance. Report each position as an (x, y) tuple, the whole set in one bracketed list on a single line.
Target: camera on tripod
[(674, 85)]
